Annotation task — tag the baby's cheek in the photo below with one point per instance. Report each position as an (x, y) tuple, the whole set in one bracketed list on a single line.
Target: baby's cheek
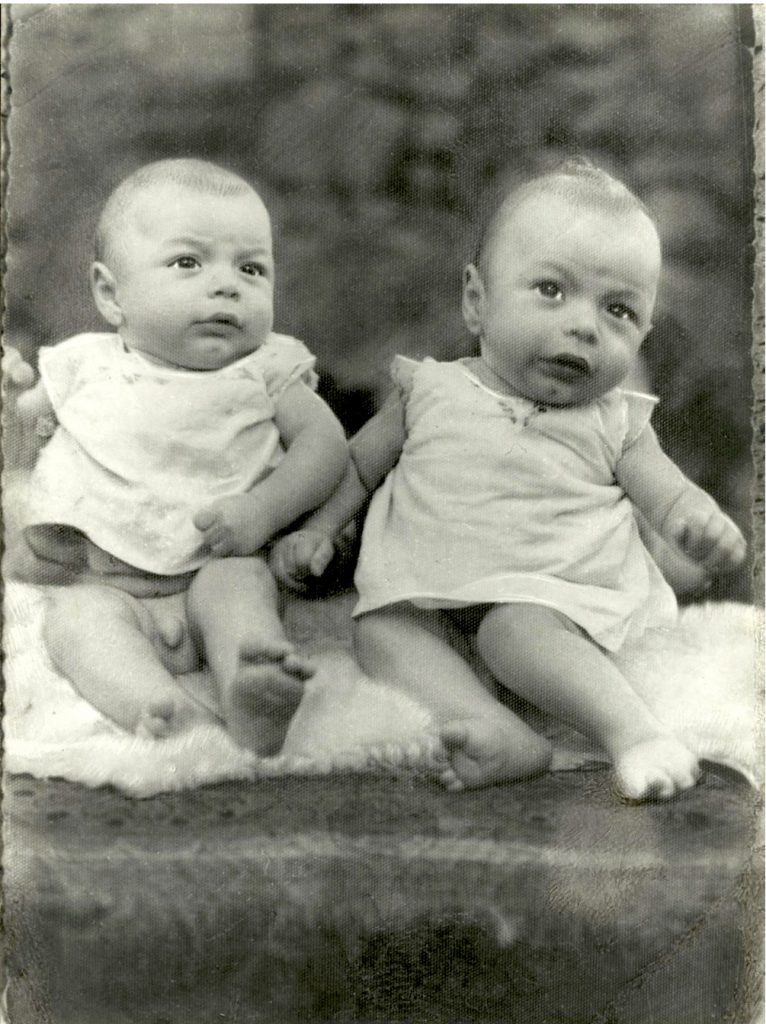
[(618, 365)]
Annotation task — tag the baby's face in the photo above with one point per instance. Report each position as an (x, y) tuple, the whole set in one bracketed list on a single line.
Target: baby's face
[(194, 277), (566, 299)]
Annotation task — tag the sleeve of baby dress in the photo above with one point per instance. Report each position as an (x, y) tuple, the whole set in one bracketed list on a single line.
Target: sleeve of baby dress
[(402, 373), (638, 410), (285, 360), (60, 365)]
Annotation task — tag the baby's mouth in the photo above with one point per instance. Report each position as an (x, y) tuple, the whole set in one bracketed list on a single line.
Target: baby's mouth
[(222, 320), (567, 365)]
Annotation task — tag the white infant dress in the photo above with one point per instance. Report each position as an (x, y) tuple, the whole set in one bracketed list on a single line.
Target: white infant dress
[(140, 448), (496, 499)]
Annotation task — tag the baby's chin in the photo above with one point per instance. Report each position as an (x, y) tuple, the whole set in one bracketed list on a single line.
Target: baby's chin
[(570, 385), (213, 352), (206, 355), (563, 396)]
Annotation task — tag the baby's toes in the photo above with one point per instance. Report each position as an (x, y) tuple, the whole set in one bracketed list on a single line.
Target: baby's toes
[(155, 722), (449, 778), (656, 770), (297, 666), (262, 652)]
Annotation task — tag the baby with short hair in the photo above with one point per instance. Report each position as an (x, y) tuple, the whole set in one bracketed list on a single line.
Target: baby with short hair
[(181, 443), (505, 487)]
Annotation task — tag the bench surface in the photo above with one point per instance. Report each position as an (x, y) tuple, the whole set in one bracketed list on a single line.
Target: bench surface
[(378, 899)]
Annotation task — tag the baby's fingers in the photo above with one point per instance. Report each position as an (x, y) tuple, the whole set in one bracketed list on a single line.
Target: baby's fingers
[(215, 533), (712, 540), (283, 563), (206, 519), (729, 550), (322, 557), (16, 372), (300, 555)]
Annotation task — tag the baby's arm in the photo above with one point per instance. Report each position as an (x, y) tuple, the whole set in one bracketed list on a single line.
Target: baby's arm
[(315, 460), (676, 508), (33, 404), (375, 450)]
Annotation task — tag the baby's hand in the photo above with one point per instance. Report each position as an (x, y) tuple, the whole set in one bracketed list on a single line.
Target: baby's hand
[(300, 556), (18, 375), (22, 404), (703, 532), (232, 526)]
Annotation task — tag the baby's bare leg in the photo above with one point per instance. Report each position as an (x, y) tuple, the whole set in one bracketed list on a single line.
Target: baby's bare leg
[(412, 650), (542, 656), (233, 607), (107, 644), (45, 557)]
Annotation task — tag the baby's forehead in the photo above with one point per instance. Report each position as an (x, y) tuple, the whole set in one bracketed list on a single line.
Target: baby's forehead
[(552, 221), (569, 208), (190, 200), (147, 209)]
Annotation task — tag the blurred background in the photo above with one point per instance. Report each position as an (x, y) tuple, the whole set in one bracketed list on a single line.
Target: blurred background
[(375, 133)]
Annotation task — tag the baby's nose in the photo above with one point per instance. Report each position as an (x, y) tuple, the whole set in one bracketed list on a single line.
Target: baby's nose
[(584, 332), (581, 324), (224, 282)]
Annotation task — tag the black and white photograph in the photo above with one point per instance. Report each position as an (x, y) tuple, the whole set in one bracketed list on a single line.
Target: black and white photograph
[(308, 717)]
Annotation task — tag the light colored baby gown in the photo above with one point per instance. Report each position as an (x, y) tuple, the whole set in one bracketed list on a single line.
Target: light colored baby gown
[(140, 448), (497, 499)]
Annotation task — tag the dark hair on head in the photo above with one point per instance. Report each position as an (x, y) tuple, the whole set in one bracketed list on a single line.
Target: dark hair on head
[(576, 179), (185, 172)]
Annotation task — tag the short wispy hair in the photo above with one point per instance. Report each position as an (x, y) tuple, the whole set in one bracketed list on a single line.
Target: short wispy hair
[(576, 180), (197, 175)]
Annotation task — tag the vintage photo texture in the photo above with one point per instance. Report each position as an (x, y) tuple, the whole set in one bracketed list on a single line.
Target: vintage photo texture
[(376, 133)]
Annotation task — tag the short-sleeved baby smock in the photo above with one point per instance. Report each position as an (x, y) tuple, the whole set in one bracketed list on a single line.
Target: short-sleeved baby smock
[(140, 448), (496, 499)]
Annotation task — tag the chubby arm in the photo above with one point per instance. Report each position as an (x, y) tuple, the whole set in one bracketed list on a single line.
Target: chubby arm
[(677, 509), (375, 450), (315, 460)]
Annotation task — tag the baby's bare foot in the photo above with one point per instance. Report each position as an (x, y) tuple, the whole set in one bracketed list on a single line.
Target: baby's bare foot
[(655, 769), (483, 752), (166, 714), (264, 695), (155, 722)]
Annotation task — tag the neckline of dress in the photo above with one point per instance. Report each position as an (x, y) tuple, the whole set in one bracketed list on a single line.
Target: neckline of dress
[(500, 395)]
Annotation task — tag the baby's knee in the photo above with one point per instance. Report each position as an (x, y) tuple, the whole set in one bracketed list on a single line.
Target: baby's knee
[(375, 634)]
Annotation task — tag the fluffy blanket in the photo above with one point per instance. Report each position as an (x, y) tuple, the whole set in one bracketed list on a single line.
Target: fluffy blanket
[(702, 679)]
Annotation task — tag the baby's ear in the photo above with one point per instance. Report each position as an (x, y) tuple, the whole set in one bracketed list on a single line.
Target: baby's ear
[(473, 299), (104, 289)]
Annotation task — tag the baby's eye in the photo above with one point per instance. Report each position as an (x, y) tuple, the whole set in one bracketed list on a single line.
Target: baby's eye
[(254, 269), (185, 262), (622, 312), (549, 290)]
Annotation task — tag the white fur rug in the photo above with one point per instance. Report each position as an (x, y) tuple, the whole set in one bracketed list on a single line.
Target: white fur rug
[(702, 678)]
